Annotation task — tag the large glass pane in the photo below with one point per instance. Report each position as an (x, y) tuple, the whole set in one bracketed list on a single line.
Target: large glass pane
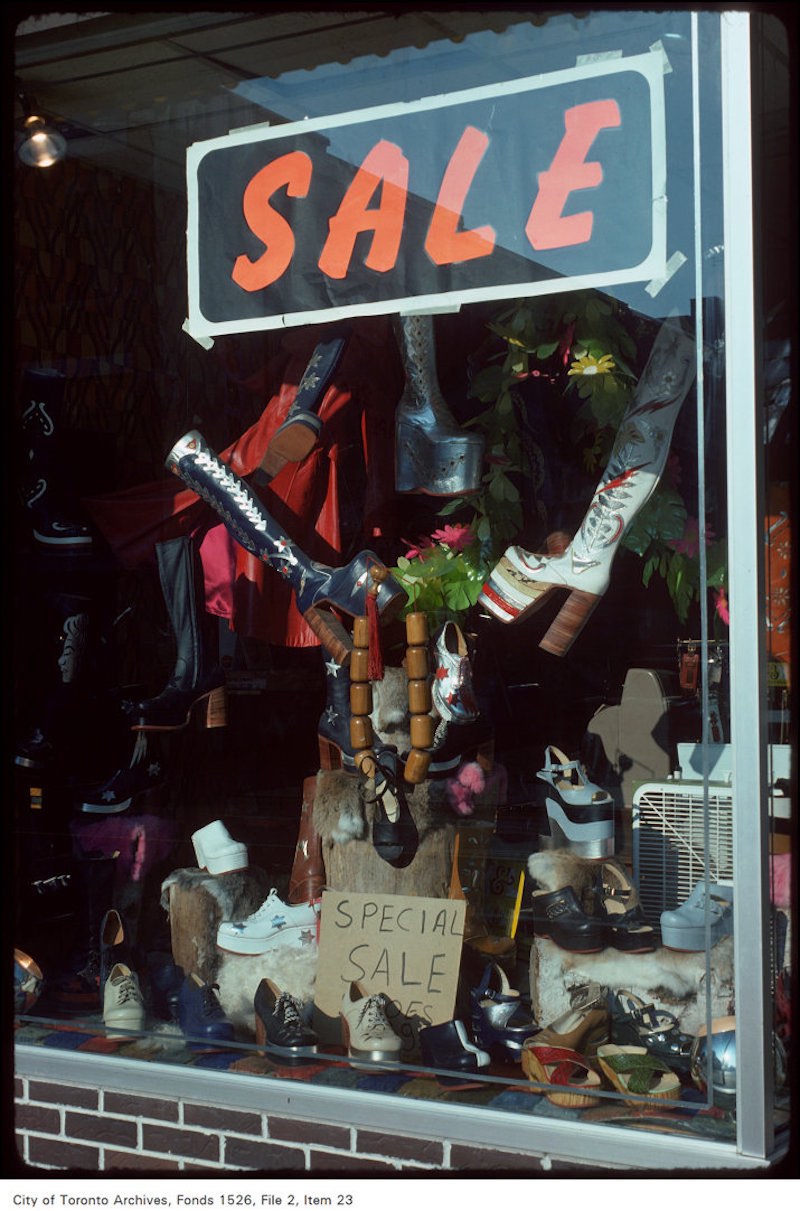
[(537, 455)]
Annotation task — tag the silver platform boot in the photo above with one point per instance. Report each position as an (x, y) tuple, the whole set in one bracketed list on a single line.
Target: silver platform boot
[(433, 455)]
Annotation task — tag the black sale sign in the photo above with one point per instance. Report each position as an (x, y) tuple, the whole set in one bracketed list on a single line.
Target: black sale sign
[(548, 183)]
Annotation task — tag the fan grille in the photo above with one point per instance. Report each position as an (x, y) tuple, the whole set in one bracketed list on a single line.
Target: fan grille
[(672, 842)]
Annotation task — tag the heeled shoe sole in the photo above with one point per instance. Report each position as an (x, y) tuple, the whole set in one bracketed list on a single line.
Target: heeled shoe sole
[(234, 858), (436, 465), (214, 704), (291, 443), (290, 937), (573, 1097), (375, 1055), (502, 597), (290, 1057), (596, 842), (578, 946)]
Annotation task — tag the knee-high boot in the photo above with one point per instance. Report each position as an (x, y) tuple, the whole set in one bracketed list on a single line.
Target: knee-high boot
[(59, 715), (196, 681), (43, 489), (522, 582), (333, 729), (307, 879), (316, 586), (433, 455)]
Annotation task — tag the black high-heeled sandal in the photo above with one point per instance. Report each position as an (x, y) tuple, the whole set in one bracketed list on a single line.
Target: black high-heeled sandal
[(394, 833), (636, 1024), (617, 908)]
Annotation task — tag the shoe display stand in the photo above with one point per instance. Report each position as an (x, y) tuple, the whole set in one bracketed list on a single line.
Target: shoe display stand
[(352, 862), (674, 980)]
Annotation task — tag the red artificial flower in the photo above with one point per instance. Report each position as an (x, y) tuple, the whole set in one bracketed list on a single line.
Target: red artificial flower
[(721, 606), (454, 537)]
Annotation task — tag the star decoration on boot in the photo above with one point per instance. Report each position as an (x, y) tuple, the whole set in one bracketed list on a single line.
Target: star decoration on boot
[(330, 715), (332, 668)]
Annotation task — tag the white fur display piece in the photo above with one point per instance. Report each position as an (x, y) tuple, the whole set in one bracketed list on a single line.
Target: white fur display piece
[(291, 969), (669, 979), (665, 978), (196, 903)]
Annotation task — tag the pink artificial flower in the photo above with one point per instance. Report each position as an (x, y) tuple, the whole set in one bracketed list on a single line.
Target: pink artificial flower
[(454, 537), (689, 543), (721, 606), (418, 552)]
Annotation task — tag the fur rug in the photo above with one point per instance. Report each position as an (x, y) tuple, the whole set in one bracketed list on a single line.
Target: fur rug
[(665, 976), (229, 897)]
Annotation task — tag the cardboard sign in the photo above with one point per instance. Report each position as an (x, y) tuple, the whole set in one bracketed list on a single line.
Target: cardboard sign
[(549, 183), (408, 947)]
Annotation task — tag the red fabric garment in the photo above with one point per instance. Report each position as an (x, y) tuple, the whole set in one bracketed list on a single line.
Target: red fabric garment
[(303, 499)]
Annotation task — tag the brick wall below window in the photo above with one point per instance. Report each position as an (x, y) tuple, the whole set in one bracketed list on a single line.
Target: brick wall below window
[(66, 1127)]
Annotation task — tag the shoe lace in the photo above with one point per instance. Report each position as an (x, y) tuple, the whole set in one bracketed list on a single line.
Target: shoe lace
[(209, 1005), (127, 990), (269, 906), (290, 1009), (373, 1017)]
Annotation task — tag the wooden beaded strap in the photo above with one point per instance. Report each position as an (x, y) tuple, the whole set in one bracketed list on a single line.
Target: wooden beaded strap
[(361, 734), (419, 698)]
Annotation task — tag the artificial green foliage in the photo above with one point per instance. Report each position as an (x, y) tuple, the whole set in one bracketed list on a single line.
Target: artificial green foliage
[(442, 582)]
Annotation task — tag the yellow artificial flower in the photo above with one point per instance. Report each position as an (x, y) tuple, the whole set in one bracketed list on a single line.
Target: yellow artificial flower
[(589, 364)]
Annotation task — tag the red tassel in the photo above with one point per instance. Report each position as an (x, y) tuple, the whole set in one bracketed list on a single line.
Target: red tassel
[(375, 652)]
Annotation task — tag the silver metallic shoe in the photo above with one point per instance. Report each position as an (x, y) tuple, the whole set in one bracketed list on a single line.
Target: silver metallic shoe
[(433, 455), (451, 686)]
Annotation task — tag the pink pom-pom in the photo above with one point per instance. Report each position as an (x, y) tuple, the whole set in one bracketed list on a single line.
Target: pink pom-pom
[(458, 799), (472, 778)]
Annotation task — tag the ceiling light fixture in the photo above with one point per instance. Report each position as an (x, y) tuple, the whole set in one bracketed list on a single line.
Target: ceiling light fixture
[(42, 145)]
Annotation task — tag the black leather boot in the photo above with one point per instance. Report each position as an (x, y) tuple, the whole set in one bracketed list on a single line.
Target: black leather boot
[(280, 1026), (78, 990), (333, 729), (197, 681), (44, 489), (63, 681)]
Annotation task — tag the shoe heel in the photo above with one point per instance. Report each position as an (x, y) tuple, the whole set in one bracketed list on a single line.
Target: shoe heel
[(331, 634), (215, 705), (292, 442), (569, 622), (330, 757)]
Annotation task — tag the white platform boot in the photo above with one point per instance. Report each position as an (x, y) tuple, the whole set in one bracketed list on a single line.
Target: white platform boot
[(522, 582)]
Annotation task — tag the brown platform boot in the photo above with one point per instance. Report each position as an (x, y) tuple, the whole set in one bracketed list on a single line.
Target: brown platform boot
[(307, 879)]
